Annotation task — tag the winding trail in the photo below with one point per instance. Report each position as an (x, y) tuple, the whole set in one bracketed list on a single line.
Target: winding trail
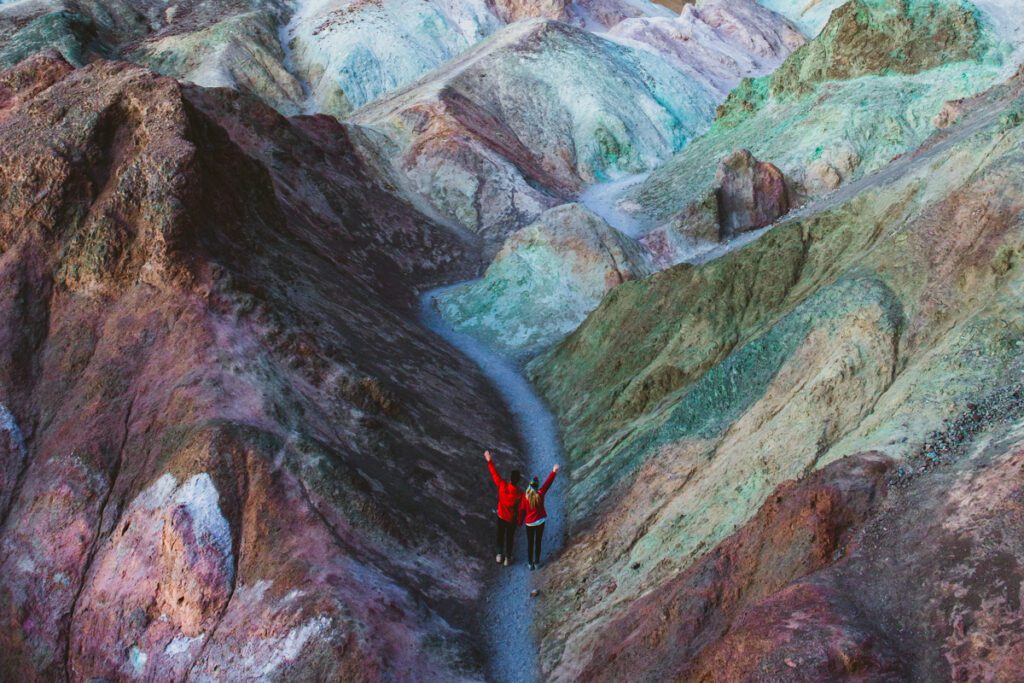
[(509, 607), (603, 200)]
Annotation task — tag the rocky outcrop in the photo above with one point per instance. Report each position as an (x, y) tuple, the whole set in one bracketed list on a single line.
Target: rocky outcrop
[(205, 459), (803, 527), (686, 398), (750, 193), (834, 166), (241, 51), (747, 195), (871, 37), (809, 16), (545, 280), (20, 85)]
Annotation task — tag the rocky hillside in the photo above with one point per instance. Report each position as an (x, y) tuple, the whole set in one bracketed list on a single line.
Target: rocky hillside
[(208, 466), (883, 321), (352, 52), (618, 85), (334, 56), (761, 259), (465, 142), (872, 86)]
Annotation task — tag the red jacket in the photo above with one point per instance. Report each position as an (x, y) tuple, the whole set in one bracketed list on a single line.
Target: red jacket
[(509, 496), (528, 515)]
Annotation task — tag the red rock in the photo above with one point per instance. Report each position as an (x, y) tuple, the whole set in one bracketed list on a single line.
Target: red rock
[(751, 193), (833, 579), (796, 532), (208, 340)]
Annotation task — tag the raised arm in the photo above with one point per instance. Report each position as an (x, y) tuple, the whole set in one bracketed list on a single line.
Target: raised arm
[(550, 480), (494, 470)]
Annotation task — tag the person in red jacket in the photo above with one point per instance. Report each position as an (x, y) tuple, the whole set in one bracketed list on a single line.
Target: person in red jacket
[(533, 514), (509, 498)]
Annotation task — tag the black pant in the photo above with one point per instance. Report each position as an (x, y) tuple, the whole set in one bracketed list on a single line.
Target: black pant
[(534, 535), (506, 534)]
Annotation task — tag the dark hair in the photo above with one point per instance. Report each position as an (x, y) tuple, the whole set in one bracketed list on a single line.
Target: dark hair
[(515, 477)]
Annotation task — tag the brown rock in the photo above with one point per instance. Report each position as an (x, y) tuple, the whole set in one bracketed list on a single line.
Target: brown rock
[(748, 194), (826, 173), (29, 78), (751, 193), (821, 176), (950, 113)]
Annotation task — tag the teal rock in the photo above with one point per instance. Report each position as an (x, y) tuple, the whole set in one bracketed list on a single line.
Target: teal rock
[(545, 280)]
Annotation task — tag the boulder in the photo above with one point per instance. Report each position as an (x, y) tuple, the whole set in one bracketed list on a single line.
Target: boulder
[(748, 194), (751, 194), (831, 169)]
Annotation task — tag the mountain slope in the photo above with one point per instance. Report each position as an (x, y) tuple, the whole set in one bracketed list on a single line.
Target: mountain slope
[(844, 105), (686, 398), (525, 119), (220, 472), (520, 122)]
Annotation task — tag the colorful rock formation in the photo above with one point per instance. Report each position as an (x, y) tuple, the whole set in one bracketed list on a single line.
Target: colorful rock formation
[(762, 261), (751, 194), (545, 280), (873, 323), (716, 42), (352, 53), (204, 456), (466, 143), (822, 129), (747, 195)]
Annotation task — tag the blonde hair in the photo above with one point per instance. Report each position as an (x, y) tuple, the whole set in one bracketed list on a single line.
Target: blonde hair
[(532, 497)]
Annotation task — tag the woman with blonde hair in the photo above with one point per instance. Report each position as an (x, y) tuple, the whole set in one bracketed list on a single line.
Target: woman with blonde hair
[(533, 515)]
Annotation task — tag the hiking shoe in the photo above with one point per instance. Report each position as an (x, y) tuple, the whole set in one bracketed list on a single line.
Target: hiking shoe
[(532, 566), (499, 558), (506, 562)]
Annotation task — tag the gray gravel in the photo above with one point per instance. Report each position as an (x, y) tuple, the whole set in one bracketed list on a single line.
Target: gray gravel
[(512, 648)]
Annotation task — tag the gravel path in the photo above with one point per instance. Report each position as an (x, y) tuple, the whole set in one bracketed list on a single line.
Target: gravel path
[(513, 651), (603, 200)]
